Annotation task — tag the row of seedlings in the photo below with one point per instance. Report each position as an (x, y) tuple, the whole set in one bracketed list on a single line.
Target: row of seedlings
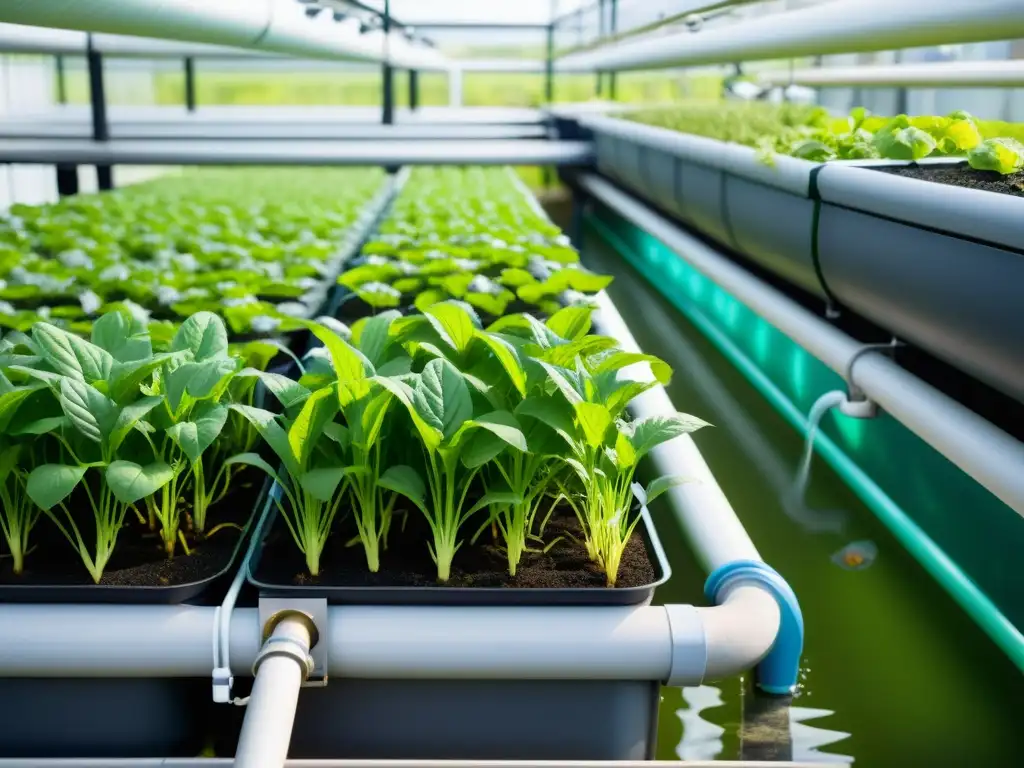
[(140, 322), (462, 425)]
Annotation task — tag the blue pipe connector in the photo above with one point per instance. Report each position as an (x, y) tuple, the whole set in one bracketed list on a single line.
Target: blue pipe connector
[(778, 671)]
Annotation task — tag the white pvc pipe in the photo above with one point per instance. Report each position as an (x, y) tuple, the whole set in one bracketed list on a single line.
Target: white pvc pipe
[(716, 534), (842, 26), (271, 26), (270, 714), (983, 451), (225, 762), (947, 74), (435, 642)]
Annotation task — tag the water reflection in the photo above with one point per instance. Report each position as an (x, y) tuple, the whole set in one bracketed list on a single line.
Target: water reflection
[(807, 739), (702, 739)]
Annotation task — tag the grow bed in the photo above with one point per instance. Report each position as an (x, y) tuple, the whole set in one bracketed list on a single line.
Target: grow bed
[(796, 191), (443, 453), (495, 403), (259, 247)]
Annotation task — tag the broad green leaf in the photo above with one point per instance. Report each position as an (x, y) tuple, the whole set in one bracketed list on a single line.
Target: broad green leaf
[(91, 412), (194, 437), (659, 485), (571, 323), (117, 333), (9, 461), (617, 359), (550, 410), (49, 484), (70, 355), (453, 324), (204, 335), (430, 435), (126, 377), (41, 426), (287, 391), (373, 337), (339, 433), (568, 382), (594, 420), (129, 416), (349, 363), (366, 417), (273, 434), (10, 401), (625, 454), (501, 424), (405, 481), (322, 484), (441, 397), (508, 357), (655, 430), (318, 409), (130, 482), (254, 460), (899, 140)]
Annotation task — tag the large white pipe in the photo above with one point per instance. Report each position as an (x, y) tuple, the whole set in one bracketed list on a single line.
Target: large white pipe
[(946, 74), (281, 669), (436, 642), (270, 26), (842, 26), (983, 451)]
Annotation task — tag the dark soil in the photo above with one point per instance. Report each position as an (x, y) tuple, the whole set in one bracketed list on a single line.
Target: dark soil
[(139, 559), (962, 176), (407, 563)]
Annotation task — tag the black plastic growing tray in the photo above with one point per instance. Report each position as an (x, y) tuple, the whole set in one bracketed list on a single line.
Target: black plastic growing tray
[(190, 592), (364, 595)]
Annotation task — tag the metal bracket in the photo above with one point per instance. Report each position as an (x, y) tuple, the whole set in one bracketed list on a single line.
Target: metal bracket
[(316, 610), (858, 405)]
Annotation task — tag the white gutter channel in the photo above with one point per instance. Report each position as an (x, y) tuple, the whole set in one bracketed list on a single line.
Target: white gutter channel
[(840, 26), (270, 26), (983, 451)]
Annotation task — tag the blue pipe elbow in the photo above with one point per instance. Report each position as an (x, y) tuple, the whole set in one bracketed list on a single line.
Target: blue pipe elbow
[(777, 673)]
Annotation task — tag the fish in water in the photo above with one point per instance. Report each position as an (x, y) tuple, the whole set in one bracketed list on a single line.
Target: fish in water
[(856, 556)]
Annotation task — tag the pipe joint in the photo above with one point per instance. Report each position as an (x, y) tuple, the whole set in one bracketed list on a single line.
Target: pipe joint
[(290, 634), (857, 404), (689, 646), (777, 673)]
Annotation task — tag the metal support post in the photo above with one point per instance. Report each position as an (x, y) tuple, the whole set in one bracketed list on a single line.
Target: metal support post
[(67, 180), (614, 23), (387, 72), (549, 67), (190, 84), (601, 32), (62, 86), (414, 89), (98, 102)]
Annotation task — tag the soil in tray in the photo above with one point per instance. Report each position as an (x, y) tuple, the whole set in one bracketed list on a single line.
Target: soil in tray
[(963, 176), (407, 563), (138, 559)]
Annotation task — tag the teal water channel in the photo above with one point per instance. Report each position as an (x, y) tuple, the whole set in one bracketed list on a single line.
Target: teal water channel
[(894, 673)]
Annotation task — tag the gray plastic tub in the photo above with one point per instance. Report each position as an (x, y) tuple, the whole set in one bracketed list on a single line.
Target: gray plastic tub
[(765, 212), (478, 720), (938, 265)]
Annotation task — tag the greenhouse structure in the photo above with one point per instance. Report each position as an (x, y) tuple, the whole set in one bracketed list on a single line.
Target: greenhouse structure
[(527, 384)]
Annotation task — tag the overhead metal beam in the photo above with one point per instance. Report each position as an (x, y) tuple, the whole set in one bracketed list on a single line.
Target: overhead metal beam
[(946, 74), (284, 152)]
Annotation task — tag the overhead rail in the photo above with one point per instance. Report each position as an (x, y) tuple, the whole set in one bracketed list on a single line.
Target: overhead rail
[(270, 26), (187, 128), (292, 152), (841, 26), (22, 38), (945, 74)]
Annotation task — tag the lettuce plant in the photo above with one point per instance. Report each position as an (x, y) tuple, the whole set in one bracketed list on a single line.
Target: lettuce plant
[(1003, 156)]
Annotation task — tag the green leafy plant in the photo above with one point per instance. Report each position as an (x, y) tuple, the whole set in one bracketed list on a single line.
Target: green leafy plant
[(1003, 156)]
